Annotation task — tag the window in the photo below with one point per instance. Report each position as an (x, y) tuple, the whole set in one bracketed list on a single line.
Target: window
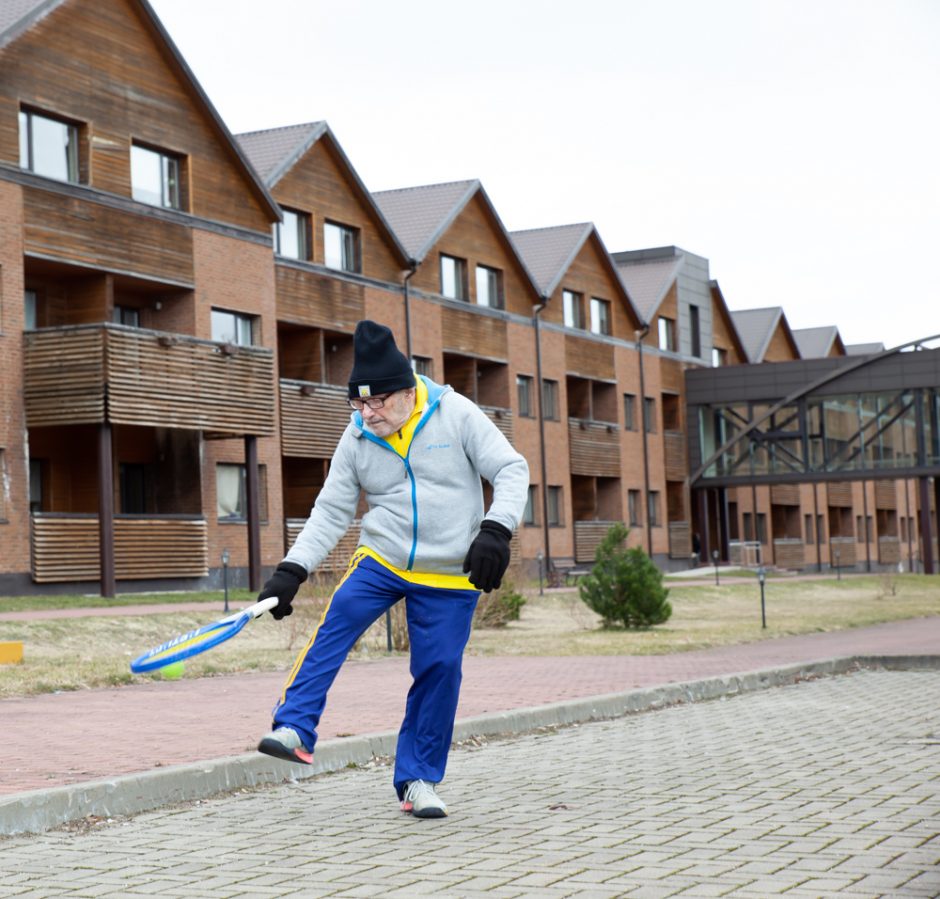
[(667, 334), (232, 327), (231, 490), (554, 505), (126, 315), (549, 400), (719, 357), (48, 146), (453, 277), (489, 287), (531, 504), (341, 247), (629, 412), (748, 527), (634, 505), (36, 483), (600, 316), (649, 415), (572, 309), (134, 482), (422, 365), (524, 395), (30, 310), (808, 529), (652, 508), (695, 332), (155, 177), (292, 236)]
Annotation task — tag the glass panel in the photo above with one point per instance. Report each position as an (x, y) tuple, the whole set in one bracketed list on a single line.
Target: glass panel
[(452, 277), (52, 146), (487, 287), (243, 330), (24, 141), (524, 391), (288, 236), (666, 335), (146, 176), (171, 179), (600, 316), (571, 303), (230, 491), (29, 313), (333, 245), (229, 327)]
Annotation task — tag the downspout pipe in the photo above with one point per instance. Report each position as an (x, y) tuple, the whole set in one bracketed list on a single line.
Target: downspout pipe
[(413, 267), (639, 335), (536, 312)]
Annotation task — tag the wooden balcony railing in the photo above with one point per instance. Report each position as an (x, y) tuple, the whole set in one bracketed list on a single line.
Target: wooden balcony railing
[(789, 552), (845, 546), (785, 494), (680, 540), (502, 418), (594, 448), (338, 559), (587, 537), (313, 418), (674, 447), (889, 550), (150, 378), (65, 547), (886, 495)]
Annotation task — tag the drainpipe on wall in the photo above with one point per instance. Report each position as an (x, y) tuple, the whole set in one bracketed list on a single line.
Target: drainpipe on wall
[(536, 312), (639, 335), (414, 267)]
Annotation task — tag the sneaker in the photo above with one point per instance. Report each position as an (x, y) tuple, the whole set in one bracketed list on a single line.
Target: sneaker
[(283, 743), (421, 800)]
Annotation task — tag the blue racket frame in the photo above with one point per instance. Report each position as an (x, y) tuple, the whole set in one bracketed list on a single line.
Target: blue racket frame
[(154, 659)]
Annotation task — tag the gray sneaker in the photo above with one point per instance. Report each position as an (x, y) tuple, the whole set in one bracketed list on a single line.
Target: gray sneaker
[(421, 800), (283, 743)]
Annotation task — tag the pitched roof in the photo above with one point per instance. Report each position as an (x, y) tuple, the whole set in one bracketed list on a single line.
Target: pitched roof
[(863, 349), (549, 252), (273, 151), (817, 343), (721, 307), (420, 215), (756, 328), (647, 280), (18, 16)]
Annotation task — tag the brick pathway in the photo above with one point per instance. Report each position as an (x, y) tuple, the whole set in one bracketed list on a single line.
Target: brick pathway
[(67, 738), (820, 789)]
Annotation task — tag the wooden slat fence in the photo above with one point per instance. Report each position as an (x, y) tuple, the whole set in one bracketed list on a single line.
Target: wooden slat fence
[(674, 446), (789, 552), (502, 418), (66, 548), (587, 537), (313, 418), (680, 540)]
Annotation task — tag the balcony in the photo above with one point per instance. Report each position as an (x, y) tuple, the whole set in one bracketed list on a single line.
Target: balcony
[(674, 450), (313, 418), (587, 537), (66, 547), (86, 374), (594, 448)]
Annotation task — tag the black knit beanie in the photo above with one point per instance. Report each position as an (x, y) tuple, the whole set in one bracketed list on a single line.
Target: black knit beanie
[(378, 365)]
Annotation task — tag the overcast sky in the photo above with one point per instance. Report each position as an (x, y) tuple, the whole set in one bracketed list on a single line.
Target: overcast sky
[(794, 143)]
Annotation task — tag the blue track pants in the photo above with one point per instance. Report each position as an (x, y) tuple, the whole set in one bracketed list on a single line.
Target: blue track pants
[(438, 627)]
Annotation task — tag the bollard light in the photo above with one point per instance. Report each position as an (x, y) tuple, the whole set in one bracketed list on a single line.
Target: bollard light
[(225, 558), (715, 560), (838, 567), (761, 577)]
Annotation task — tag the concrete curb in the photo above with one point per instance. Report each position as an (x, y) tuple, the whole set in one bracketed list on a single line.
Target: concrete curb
[(40, 810)]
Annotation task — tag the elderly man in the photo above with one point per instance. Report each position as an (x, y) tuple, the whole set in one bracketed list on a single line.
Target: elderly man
[(416, 450)]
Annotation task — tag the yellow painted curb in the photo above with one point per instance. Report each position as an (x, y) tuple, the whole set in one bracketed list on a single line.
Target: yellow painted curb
[(11, 653)]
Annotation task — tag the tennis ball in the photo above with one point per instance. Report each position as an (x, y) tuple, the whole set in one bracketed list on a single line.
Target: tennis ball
[(173, 671)]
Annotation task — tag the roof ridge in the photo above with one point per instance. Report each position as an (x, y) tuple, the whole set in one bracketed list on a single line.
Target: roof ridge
[(398, 190), (280, 128), (553, 227)]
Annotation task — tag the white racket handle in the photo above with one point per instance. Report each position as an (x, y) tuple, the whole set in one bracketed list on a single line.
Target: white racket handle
[(258, 609)]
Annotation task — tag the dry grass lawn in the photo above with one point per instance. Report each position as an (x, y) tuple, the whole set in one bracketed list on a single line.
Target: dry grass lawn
[(78, 653)]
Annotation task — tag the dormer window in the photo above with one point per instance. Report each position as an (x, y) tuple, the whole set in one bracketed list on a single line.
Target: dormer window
[(155, 177), (291, 236), (572, 309), (341, 247), (453, 277), (48, 146)]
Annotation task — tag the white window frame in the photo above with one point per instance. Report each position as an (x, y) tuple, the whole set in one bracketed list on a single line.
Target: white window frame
[(169, 195)]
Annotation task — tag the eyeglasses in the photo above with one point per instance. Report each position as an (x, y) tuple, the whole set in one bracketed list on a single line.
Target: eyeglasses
[(373, 402)]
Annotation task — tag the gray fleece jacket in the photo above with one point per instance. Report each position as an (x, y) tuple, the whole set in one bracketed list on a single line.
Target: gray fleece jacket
[(426, 508)]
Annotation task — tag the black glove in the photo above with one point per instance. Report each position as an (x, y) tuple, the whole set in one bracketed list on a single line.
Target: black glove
[(488, 556), (284, 584)]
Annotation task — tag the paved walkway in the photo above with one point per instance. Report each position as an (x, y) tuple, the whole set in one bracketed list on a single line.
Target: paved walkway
[(67, 738), (823, 788)]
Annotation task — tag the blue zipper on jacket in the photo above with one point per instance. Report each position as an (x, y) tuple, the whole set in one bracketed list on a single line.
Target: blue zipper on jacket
[(432, 405)]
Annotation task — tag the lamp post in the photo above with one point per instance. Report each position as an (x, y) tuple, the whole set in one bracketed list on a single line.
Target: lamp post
[(761, 577), (541, 560), (225, 576), (715, 560), (838, 567)]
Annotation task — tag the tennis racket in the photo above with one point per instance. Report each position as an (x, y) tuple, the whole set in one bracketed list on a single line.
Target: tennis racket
[(200, 639)]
